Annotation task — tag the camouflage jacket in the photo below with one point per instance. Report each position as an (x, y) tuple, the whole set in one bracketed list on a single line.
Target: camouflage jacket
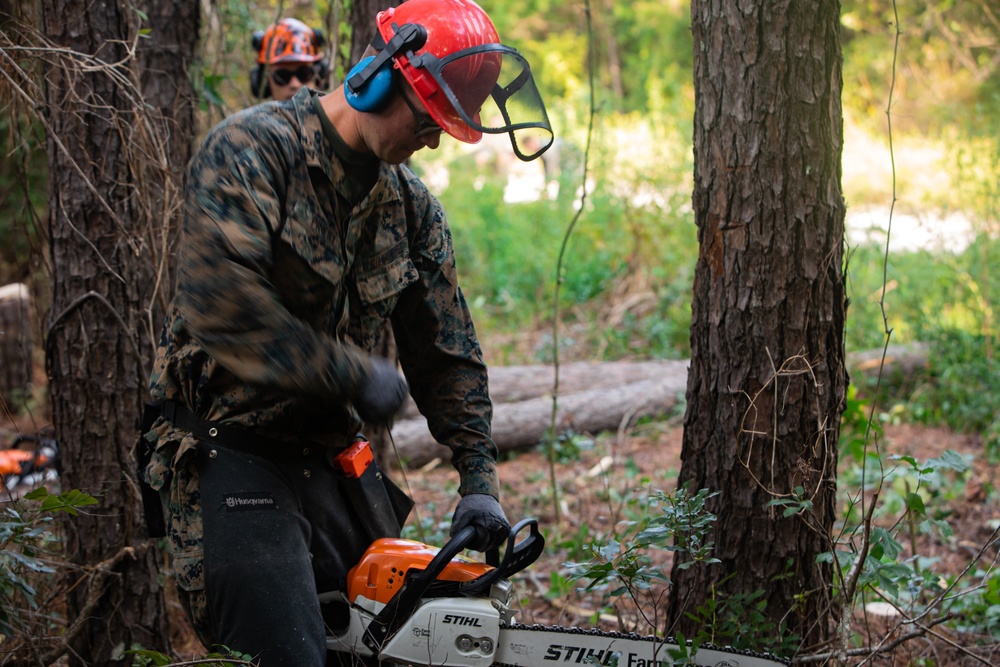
[(282, 291)]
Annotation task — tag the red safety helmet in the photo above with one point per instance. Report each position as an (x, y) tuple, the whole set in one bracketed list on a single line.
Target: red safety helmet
[(469, 82), (289, 40)]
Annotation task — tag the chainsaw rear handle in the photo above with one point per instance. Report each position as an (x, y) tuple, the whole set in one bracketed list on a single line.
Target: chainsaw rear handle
[(404, 602)]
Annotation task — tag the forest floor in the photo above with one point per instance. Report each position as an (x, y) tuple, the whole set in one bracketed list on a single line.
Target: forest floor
[(602, 486), (604, 482)]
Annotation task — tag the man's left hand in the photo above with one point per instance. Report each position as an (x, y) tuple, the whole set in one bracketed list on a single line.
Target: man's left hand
[(483, 512)]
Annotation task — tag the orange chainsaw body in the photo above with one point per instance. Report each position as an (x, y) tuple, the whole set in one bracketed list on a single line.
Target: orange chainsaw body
[(13, 460), (383, 568)]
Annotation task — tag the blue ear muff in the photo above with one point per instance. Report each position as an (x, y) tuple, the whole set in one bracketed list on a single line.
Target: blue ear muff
[(372, 91)]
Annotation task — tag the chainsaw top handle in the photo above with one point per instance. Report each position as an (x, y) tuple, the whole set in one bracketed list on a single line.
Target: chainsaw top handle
[(517, 556)]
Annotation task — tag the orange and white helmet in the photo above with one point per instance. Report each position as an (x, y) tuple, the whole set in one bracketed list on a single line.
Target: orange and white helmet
[(450, 54), (289, 40)]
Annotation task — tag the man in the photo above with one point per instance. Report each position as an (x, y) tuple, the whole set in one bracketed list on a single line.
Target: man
[(289, 56), (303, 232)]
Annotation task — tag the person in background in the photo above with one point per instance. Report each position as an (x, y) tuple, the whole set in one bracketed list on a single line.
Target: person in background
[(289, 56), (303, 232)]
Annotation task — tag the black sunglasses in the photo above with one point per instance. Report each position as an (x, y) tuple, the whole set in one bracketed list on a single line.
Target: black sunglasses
[(283, 77), (425, 124)]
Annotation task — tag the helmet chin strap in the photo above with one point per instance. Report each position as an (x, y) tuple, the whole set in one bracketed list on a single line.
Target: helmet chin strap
[(407, 39)]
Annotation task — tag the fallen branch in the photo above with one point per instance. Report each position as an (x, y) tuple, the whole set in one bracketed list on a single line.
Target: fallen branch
[(100, 574)]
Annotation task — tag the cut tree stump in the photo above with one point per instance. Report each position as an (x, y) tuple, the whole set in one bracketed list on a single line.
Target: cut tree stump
[(15, 347)]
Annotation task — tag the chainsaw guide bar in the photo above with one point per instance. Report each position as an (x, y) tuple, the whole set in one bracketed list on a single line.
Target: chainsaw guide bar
[(551, 646)]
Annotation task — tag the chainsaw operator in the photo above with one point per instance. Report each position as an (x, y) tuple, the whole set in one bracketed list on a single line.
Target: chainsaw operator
[(289, 57), (303, 232)]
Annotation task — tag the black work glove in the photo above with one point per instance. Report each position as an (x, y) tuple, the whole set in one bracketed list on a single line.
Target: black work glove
[(382, 393), (483, 512)]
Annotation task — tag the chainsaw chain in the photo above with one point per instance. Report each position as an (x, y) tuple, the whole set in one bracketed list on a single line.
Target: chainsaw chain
[(632, 636)]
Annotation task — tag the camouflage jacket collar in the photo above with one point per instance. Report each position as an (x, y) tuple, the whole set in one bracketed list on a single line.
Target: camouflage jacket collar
[(319, 153), (314, 144)]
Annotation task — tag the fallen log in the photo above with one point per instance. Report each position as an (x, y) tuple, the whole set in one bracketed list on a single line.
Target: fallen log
[(524, 423), (511, 384)]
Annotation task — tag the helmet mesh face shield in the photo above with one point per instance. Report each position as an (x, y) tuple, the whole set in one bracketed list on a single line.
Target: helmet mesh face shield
[(491, 89)]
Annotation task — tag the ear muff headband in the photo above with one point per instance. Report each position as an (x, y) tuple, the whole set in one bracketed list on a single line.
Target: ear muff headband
[(368, 86)]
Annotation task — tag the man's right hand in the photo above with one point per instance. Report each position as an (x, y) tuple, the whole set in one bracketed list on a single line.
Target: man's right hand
[(382, 393), (483, 512)]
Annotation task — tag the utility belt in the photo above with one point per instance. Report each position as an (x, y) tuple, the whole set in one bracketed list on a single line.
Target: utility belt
[(380, 505), (232, 437)]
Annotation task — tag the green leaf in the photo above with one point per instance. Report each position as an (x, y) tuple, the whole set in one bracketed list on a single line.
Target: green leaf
[(610, 550), (78, 498), (56, 504), (928, 526), (915, 503), (951, 459), (35, 494)]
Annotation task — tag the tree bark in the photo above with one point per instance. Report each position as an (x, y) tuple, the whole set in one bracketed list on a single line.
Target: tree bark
[(112, 166), (165, 56), (363, 13), (767, 382)]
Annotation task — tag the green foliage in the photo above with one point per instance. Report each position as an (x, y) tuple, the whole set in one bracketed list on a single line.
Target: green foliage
[(944, 300), (634, 243), (223, 657), (623, 566), (25, 540), (68, 502), (962, 387), (855, 426), (643, 50), (738, 620), (23, 185), (909, 495), (944, 59), (976, 602), (567, 446)]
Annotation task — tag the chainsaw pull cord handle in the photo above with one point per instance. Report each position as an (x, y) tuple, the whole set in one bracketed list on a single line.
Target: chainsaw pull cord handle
[(405, 601)]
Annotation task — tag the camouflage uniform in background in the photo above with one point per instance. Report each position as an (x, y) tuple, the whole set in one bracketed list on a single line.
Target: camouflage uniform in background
[(286, 270)]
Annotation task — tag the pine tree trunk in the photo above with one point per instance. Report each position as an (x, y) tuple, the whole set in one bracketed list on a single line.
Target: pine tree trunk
[(363, 13), (767, 380), (165, 59), (108, 175)]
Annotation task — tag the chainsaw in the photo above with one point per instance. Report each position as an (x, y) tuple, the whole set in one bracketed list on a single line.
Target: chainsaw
[(418, 605)]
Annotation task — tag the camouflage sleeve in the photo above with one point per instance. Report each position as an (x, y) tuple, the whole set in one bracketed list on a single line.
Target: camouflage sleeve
[(233, 206), (440, 354)]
